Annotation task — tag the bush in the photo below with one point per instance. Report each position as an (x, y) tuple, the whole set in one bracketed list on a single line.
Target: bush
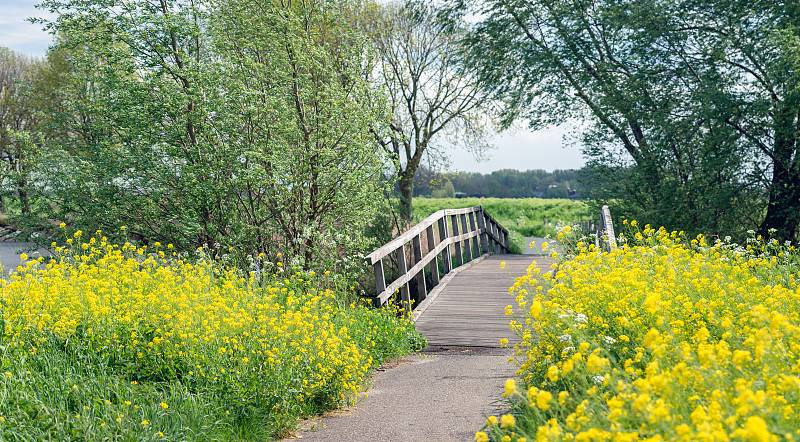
[(661, 339), (108, 341)]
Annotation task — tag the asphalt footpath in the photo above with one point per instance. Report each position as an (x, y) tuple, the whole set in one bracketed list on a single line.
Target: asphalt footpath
[(536, 249), (10, 254), (441, 394)]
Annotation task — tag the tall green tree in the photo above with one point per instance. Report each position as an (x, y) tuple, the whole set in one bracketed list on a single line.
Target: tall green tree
[(744, 57), (236, 125), (665, 89)]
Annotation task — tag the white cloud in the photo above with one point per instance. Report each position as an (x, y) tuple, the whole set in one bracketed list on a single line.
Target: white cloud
[(523, 150), (19, 35)]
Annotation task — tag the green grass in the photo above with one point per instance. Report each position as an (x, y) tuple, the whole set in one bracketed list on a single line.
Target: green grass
[(521, 216)]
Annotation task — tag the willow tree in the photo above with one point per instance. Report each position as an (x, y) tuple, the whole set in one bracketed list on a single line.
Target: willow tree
[(688, 108)]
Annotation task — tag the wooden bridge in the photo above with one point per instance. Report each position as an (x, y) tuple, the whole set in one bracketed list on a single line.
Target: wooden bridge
[(468, 310), (447, 268)]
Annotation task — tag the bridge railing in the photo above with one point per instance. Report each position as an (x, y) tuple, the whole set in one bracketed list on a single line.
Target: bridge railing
[(605, 231), (470, 233)]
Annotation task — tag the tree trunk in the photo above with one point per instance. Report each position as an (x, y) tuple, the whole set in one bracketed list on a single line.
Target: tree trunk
[(783, 211), (406, 184), (24, 198)]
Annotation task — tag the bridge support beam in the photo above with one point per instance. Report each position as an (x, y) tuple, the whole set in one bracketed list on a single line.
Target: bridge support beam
[(380, 281), (422, 291), (484, 235), (467, 242), (446, 262), (476, 244), (459, 252), (405, 297), (435, 262)]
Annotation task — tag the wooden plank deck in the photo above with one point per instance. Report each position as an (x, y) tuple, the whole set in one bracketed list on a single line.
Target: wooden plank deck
[(470, 310)]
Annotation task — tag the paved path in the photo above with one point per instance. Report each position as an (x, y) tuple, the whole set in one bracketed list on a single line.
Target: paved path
[(439, 395), (10, 250), (552, 244), (446, 392)]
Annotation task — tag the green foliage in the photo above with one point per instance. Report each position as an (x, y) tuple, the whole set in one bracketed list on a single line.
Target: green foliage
[(24, 82), (505, 183), (205, 124), (521, 216), (691, 107), (447, 191)]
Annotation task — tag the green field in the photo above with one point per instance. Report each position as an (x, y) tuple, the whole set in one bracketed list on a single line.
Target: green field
[(521, 216)]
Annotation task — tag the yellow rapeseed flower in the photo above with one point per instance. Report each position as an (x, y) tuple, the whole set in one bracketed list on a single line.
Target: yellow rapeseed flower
[(480, 436), (510, 388), (507, 420)]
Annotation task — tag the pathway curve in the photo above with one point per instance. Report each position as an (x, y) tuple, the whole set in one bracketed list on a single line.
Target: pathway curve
[(446, 392)]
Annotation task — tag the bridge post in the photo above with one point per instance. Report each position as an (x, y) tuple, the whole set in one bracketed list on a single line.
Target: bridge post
[(380, 281), (499, 235), (435, 262), (489, 232), (446, 262), (484, 236), (422, 291), (607, 226), (475, 240), (405, 297), (459, 254), (467, 242), (495, 247), (505, 241)]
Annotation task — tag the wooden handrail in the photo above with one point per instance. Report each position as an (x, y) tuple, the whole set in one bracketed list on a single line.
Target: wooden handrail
[(479, 235), (409, 234)]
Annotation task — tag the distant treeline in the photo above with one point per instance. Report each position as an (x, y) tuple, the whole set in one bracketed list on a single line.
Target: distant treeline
[(506, 183)]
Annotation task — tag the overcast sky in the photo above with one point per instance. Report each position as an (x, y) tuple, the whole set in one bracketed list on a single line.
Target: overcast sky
[(521, 150)]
